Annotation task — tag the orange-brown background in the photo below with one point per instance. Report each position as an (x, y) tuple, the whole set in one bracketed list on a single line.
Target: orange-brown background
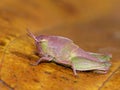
[(92, 24)]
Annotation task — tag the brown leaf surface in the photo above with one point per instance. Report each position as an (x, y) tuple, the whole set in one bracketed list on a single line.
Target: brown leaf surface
[(93, 25)]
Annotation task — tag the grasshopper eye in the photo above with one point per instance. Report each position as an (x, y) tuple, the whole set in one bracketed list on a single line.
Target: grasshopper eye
[(43, 40)]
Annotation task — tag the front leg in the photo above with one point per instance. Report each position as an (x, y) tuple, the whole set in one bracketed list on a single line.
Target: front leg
[(44, 58)]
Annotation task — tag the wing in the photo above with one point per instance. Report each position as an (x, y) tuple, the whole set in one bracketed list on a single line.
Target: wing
[(83, 54), (101, 57), (83, 64)]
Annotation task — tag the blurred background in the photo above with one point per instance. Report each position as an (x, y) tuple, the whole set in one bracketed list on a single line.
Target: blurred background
[(39, 14), (79, 19), (92, 24)]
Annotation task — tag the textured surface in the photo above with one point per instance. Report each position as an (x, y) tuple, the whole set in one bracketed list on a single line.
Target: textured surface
[(93, 25)]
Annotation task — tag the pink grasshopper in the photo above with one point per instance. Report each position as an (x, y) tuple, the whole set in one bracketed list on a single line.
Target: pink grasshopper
[(63, 51)]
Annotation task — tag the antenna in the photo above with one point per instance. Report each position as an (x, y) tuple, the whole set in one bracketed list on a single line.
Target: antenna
[(32, 35)]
